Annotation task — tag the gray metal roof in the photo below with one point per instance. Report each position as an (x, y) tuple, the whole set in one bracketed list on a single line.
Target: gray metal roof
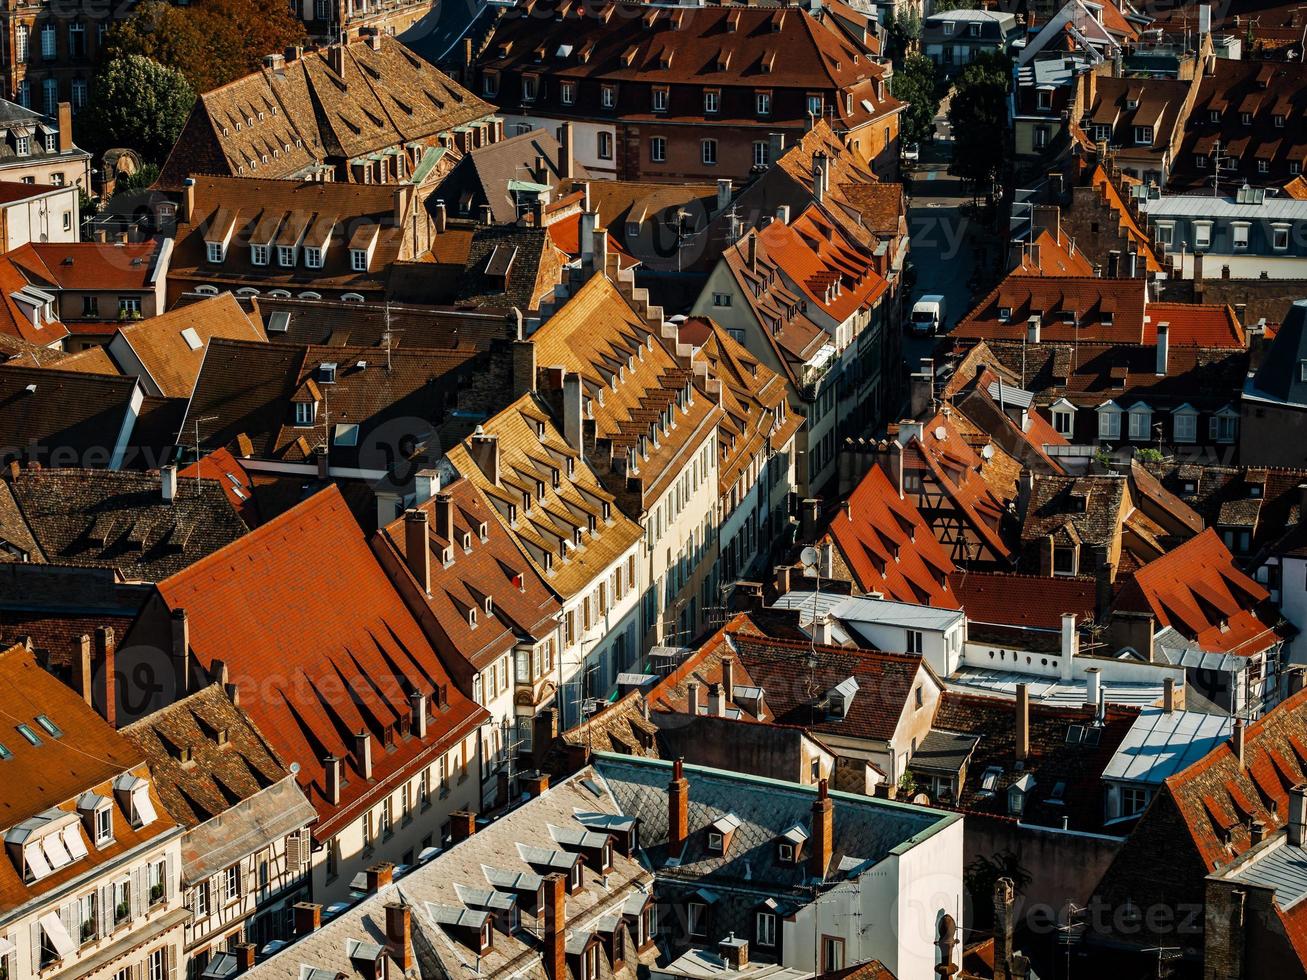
[(1215, 208), (1282, 867), (1160, 744), (869, 609), (1050, 690)]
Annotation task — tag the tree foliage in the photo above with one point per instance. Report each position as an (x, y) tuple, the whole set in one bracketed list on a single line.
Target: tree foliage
[(943, 6), (915, 83), (137, 103), (977, 114), (210, 42), (903, 31), (983, 873)]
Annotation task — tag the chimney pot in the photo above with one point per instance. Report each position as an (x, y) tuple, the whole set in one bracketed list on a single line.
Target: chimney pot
[(379, 876), (246, 954), (308, 917), (536, 783)]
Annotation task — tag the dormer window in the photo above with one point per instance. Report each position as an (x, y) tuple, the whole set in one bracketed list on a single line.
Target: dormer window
[(1246, 118), (358, 259), (1279, 121), (286, 256), (305, 412), (215, 251), (327, 372), (313, 258), (487, 934), (259, 254), (1005, 313), (472, 617), (489, 606), (134, 796)]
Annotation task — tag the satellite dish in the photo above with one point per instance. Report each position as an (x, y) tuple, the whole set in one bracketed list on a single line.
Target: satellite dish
[(808, 556), (987, 451), (941, 433), (294, 768)]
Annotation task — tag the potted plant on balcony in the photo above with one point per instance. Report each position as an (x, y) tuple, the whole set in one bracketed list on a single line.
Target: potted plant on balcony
[(88, 930)]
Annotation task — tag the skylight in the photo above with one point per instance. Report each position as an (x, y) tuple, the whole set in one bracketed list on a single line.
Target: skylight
[(51, 729), (192, 338), (27, 733)]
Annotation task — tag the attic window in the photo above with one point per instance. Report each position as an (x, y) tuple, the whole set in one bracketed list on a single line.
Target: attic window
[(51, 729), (29, 735), (472, 617), (327, 372)]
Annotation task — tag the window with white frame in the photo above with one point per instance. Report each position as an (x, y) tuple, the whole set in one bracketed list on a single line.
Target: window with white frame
[(658, 149), (1141, 418), (157, 964), (304, 412), (313, 258), (231, 883), (567, 92), (1133, 800), (1063, 420), (1185, 425), (259, 254), (530, 85), (1280, 237), (605, 145), (712, 100), (660, 100), (760, 153), (286, 256), (47, 41), (914, 640), (358, 259), (764, 928), (708, 152), (1239, 234), (696, 918), (1109, 422), (1223, 426), (1143, 135), (1165, 233), (608, 96), (762, 103), (1202, 234)]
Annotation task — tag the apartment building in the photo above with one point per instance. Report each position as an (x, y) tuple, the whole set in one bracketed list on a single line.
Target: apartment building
[(645, 421), (552, 504), (300, 620), (48, 56), (691, 91), (90, 881), (494, 620)]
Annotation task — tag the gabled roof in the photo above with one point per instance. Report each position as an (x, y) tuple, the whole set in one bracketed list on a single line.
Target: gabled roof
[(485, 173), (92, 265), (171, 346), (319, 622), (25, 319), (119, 520), (48, 777), (282, 121), (1198, 590), (522, 606), (1280, 377), (888, 546)]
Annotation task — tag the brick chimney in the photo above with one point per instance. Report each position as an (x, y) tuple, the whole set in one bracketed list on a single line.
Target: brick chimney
[(181, 652), (1022, 750), (308, 917), (1237, 741), (735, 952), (104, 656), (399, 934), (417, 551), (65, 124), (555, 938), (379, 876), (535, 783), (444, 507), (462, 824), (678, 808), (823, 831)]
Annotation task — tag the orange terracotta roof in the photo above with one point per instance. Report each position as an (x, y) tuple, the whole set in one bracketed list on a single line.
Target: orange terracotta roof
[(823, 263), (319, 625), (1197, 589), (1194, 324), (238, 487), (90, 265), (888, 546), (1143, 243), (1054, 257)]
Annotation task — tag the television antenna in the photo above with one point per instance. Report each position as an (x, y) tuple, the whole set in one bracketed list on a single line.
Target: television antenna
[(198, 423)]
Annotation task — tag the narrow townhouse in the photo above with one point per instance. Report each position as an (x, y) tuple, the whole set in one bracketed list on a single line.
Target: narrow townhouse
[(644, 420), (494, 620), (300, 623), (90, 883), (567, 525)]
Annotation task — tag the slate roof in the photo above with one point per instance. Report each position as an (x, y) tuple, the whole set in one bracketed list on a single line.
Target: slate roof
[(16, 541), (171, 346), (319, 616), (865, 829), (88, 756), (1054, 758), (487, 861), (1280, 378), (86, 415), (304, 114), (120, 520), (889, 548)]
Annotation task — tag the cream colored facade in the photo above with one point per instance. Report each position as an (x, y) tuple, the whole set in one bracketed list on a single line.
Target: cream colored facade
[(124, 919), (413, 814)]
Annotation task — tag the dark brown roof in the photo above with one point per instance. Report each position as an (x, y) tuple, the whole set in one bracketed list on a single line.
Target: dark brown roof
[(120, 520), (482, 176), (52, 415), (282, 122), (337, 323), (205, 754)]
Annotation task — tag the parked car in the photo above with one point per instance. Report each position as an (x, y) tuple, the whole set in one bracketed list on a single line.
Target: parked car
[(911, 152)]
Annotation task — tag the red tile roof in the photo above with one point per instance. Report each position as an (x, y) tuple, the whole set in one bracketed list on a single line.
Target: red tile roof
[(1051, 256), (1197, 589), (319, 644), (231, 475), (12, 191), (827, 266), (889, 548), (89, 265), (1004, 599)]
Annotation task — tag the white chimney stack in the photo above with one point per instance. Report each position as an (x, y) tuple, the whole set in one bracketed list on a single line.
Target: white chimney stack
[(168, 480)]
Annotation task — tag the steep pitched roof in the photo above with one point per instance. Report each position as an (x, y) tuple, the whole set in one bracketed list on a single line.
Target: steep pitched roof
[(318, 616), (888, 546), (1198, 590), (1007, 599), (1280, 377), (171, 346), (119, 520)]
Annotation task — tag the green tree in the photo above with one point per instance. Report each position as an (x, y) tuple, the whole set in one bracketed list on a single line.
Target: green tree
[(140, 104), (138, 181), (915, 83), (211, 42), (903, 30), (977, 114), (943, 6)]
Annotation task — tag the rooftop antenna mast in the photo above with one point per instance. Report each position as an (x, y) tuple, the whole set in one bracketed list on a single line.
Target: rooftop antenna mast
[(198, 422)]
